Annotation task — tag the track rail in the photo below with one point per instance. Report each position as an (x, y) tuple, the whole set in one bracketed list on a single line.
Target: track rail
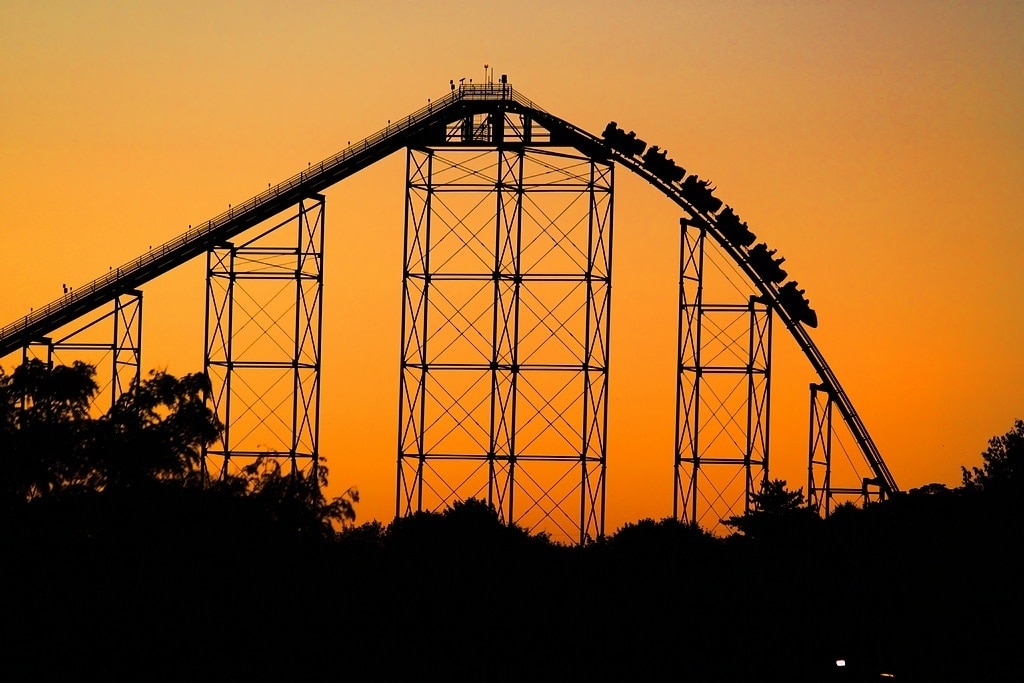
[(461, 102), (197, 240), (588, 143)]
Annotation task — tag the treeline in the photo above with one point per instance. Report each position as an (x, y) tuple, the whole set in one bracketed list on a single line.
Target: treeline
[(123, 561), (145, 451)]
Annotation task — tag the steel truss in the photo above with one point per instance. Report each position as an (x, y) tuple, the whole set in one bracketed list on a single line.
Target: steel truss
[(822, 493), (505, 320), (119, 354), (723, 395), (263, 343), (819, 451)]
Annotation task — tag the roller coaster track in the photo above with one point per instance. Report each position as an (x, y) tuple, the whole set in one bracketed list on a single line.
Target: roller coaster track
[(464, 101), (803, 339)]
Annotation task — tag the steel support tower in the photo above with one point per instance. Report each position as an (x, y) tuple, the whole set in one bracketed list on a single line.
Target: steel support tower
[(263, 343), (115, 352), (723, 395), (819, 451), (823, 491), (505, 322), (505, 319)]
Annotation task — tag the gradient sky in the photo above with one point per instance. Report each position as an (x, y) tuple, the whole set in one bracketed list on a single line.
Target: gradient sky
[(879, 146)]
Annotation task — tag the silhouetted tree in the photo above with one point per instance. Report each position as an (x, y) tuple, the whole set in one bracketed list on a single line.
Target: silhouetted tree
[(472, 527), (775, 509), (44, 428), (295, 500), (156, 431), (154, 434), (51, 445), (648, 535), (1003, 461), (365, 538)]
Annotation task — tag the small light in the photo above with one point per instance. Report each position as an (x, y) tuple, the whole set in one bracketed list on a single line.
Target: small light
[(840, 662)]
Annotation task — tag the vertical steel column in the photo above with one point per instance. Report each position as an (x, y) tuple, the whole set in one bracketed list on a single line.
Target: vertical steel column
[(503, 390), (412, 394), (262, 343), (723, 395), (689, 370), (217, 349), (308, 333), (597, 355), (126, 353), (819, 451), (28, 353), (508, 280), (759, 379)]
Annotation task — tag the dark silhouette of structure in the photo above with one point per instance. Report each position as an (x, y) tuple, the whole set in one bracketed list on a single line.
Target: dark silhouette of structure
[(506, 314)]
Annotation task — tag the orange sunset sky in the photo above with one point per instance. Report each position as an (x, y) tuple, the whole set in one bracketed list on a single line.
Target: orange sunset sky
[(878, 146)]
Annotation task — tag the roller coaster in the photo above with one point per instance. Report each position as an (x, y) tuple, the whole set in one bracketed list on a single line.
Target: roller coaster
[(483, 118)]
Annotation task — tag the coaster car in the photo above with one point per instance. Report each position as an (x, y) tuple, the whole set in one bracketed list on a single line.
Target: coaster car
[(657, 162), (624, 143), (792, 299), (735, 231), (761, 259), (699, 193)]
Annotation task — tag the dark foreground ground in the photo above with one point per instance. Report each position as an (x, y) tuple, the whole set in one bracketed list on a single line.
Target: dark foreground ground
[(921, 590)]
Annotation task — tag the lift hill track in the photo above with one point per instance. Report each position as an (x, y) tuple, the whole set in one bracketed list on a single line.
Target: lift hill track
[(427, 124)]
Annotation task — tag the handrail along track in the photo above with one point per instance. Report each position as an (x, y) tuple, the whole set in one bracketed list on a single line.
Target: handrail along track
[(462, 101), (237, 219)]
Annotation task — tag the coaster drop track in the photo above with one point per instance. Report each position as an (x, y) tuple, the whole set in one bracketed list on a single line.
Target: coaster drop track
[(431, 125)]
